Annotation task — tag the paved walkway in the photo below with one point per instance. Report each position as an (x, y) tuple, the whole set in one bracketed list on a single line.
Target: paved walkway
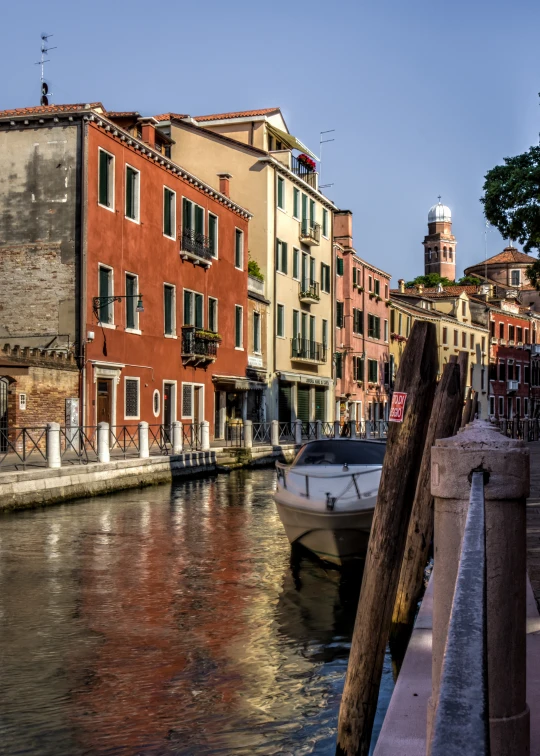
[(533, 522)]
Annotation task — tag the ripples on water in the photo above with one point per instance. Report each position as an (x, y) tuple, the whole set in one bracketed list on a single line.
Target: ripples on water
[(170, 620)]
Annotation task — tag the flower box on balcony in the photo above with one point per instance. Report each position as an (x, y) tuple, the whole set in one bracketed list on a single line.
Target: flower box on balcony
[(371, 294), (209, 335), (310, 164), (378, 299), (360, 289)]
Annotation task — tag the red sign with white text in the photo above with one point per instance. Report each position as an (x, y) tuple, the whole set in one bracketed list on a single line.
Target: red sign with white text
[(397, 407)]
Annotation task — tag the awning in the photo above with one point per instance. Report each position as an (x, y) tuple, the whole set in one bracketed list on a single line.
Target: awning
[(237, 383), (311, 380), (290, 141)]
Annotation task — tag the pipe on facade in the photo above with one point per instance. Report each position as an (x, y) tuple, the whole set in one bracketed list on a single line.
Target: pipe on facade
[(83, 272)]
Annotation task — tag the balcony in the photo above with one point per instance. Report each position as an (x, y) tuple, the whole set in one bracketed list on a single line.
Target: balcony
[(535, 349), (308, 291), (310, 232), (494, 340), (307, 174), (502, 342), (511, 342), (198, 347), (305, 350), (512, 385), (195, 247)]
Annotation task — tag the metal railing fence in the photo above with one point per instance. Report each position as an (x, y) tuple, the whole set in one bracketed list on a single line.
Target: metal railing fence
[(234, 434), (78, 444), (261, 433), (286, 434), (23, 447), (191, 436)]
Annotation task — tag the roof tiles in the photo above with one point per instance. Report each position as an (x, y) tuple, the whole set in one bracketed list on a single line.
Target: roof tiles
[(50, 109), (509, 255), (237, 114)]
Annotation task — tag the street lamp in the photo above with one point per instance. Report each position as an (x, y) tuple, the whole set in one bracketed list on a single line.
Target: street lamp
[(99, 302)]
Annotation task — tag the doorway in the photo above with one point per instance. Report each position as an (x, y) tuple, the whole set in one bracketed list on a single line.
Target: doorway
[(104, 400), (196, 404), (3, 414)]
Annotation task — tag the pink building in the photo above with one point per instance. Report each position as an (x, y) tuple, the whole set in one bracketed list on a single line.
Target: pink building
[(362, 359)]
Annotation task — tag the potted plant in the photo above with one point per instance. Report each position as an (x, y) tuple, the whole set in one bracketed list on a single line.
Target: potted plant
[(208, 335), (306, 161)]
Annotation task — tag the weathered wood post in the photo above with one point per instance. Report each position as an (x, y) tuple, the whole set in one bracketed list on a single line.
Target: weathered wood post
[(467, 409), (416, 378), (447, 406), (463, 362)]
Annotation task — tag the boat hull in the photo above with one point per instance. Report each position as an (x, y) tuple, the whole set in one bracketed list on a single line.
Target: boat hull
[(335, 537)]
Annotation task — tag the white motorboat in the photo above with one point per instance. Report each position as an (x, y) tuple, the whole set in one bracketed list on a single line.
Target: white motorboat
[(326, 498)]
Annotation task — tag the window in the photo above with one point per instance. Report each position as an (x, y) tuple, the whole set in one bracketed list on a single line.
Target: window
[(280, 325), (392, 321), (526, 374), (325, 333), (193, 308), (501, 406), (281, 193), (386, 291), (518, 373), (169, 302), (370, 283), (192, 220), (502, 371), (354, 276), (169, 212), (386, 331), (374, 327), (238, 323), (501, 330), (212, 314), (400, 324), (464, 308), (456, 338), (187, 400), (132, 316), (131, 386), (492, 329), (518, 406), (408, 326), (358, 368), (281, 256), (296, 203), (325, 278), (526, 407), (464, 340), (325, 222), (339, 365), (377, 287), (312, 212), (132, 193), (105, 292), (339, 314), (471, 341), (483, 344), (445, 335), (526, 339), (296, 325), (492, 405), (213, 234), (372, 371), (256, 332), (515, 277), (358, 321), (339, 266), (106, 180), (492, 371), (239, 249), (511, 333), (519, 333), (296, 263)]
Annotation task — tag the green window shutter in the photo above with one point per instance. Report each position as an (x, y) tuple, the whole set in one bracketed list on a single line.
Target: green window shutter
[(312, 210), (304, 207), (105, 310), (325, 333), (281, 193), (312, 328), (340, 266), (188, 305), (199, 220), (198, 310), (278, 254), (167, 215), (238, 250), (354, 276), (280, 319), (339, 364), (104, 178), (130, 181), (186, 214), (295, 324), (295, 263), (325, 222), (238, 327), (339, 314), (284, 257), (296, 202), (212, 314), (130, 301), (168, 302), (312, 269), (212, 234)]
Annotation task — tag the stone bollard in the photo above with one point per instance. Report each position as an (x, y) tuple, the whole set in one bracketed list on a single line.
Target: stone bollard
[(480, 446), (177, 433), (526, 429), (144, 451), (54, 455), (352, 428), (318, 429), (248, 434), (274, 432), (337, 428), (103, 439), (297, 432), (205, 435)]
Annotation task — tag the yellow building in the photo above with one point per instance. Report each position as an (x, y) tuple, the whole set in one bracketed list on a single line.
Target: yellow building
[(461, 325), (251, 157)]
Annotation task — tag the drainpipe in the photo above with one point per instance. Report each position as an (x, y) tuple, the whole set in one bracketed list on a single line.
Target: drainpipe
[(272, 267), (83, 271)]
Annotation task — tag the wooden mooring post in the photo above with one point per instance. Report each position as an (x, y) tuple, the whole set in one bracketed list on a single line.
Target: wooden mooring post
[(447, 406), (416, 378), (463, 362)]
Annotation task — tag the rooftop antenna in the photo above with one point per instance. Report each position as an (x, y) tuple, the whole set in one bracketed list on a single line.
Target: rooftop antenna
[(321, 142), (45, 94)]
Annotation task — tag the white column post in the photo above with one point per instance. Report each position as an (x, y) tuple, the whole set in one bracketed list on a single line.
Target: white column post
[(274, 432), (205, 435), (248, 434), (294, 402), (144, 450), (318, 429), (177, 437), (297, 432), (222, 413), (244, 405), (54, 456), (338, 410), (104, 454), (337, 428)]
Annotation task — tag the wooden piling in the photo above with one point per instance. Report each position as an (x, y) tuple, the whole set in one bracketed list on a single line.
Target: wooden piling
[(467, 409), (405, 443), (463, 362), (447, 406)]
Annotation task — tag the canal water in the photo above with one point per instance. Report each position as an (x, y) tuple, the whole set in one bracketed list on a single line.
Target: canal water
[(170, 620)]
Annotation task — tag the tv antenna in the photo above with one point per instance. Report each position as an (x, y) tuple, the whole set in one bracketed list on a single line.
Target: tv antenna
[(321, 142), (45, 94)]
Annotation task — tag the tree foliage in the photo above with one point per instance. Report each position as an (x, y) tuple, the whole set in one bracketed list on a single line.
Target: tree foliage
[(512, 198), (469, 281), (429, 281)]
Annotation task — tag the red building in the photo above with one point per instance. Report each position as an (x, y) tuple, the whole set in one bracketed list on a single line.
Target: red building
[(362, 332), (146, 271), (511, 334)]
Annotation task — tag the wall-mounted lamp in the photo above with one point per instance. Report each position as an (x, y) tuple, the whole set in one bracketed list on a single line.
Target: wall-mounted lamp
[(99, 302)]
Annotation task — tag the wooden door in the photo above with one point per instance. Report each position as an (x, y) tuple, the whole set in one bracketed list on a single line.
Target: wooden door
[(104, 400), (3, 414), (167, 405), (196, 402)]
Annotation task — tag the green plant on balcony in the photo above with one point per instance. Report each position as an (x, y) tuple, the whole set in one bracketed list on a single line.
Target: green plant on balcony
[(209, 335), (360, 288), (254, 270), (378, 299)]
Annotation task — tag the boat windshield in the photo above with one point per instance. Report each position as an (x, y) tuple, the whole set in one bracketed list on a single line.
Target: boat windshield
[(341, 452)]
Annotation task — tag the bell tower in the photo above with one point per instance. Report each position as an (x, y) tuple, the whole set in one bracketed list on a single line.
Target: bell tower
[(440, 244)]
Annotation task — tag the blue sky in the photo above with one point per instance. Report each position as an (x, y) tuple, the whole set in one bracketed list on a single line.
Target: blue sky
[(424, 97)]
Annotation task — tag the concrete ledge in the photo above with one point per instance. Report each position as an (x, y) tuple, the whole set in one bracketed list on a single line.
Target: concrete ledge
[(25, 490)]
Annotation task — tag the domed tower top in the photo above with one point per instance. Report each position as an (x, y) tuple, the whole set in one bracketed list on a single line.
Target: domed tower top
[(440, 244)]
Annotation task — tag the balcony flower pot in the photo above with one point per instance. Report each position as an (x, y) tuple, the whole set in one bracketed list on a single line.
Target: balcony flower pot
[(360, 288), (307, 162), (378, 299), (209, 335)]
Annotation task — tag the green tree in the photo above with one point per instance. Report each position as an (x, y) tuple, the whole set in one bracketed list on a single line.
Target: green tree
[(469, 281), (254, 270), (429, 281)]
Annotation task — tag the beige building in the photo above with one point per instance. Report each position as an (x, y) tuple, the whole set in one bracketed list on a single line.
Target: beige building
[(252, 158)]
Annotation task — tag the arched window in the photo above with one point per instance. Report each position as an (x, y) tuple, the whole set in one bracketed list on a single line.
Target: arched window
[(444, 252), (450, 252), (429, 253), (436, 252)]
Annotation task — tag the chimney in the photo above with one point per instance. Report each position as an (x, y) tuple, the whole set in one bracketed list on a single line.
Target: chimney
[(224, 183), (148, 133), (401, 284), (420, 288), (343, 228)]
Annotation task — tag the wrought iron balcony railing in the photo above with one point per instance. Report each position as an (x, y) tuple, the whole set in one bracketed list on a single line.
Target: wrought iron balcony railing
[(304, 172), (196, 244), (310, 232), (308, 291), (197, 346), (305, 349)]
